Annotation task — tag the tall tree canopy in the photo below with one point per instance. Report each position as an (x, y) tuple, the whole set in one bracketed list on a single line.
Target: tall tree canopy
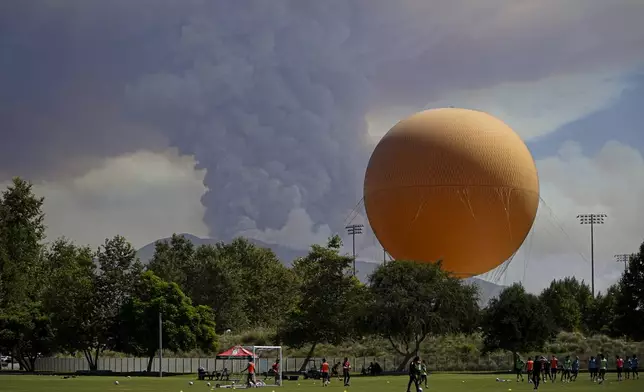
[(411, 301), (226, 277), (569, 302), (217, 284), (259, 267), (87, 293), (329, 300), (185, 327), (603, 315), (516, 321), (173, 260), (25, 328), (630, 302), (22, 231), (71, 298)]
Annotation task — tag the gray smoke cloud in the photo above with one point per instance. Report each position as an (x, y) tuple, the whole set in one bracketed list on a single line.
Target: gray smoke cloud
[(269, 96)]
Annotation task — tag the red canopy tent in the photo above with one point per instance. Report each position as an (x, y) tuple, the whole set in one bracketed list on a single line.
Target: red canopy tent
[(236, 352)]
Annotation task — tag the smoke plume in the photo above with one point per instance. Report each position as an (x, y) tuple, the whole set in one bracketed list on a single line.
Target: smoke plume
[(269, 96)]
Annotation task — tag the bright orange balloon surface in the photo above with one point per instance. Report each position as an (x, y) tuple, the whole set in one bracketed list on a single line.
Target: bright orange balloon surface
[(454, 185)]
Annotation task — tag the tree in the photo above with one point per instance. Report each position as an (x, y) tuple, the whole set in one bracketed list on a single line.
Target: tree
[(71, 299), (185, 327), (515, 321), (25, 330), (27, 333), (259, 267), (87, 292), (173, 260), (21, 232), (602, 315), (328, 300), (412, 301), (223, 275), (217, 283), (117, 273), (569, 302), (630, 301)]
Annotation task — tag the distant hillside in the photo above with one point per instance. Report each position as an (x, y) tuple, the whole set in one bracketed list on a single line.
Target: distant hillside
[(287, 255)]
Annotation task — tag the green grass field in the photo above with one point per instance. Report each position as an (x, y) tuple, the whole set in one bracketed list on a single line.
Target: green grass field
[(439, 382)]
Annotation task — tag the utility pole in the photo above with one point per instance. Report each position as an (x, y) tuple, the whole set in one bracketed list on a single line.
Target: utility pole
[(160, 345), (623, 258), (592, 220), (353, 230)]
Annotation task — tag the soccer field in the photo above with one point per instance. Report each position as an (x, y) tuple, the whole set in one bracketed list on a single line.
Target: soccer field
[(440, 382)]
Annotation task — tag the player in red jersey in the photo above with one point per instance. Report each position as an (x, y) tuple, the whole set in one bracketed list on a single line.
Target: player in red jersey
[(346, 368)]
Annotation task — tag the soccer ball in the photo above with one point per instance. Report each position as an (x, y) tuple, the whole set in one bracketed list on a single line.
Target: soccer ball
[(420, 389), (116, 383), (190, 383), (208, 384)]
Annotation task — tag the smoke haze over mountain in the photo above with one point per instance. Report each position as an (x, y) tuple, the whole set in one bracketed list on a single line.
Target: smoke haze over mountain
[(280, 102)]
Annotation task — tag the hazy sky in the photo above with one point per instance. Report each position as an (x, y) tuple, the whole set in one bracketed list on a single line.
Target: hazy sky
[(228, 117)]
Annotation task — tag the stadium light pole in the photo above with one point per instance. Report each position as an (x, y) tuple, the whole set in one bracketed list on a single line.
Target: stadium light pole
[(592, 220), (623, 258), (160, 345), (353, 230)]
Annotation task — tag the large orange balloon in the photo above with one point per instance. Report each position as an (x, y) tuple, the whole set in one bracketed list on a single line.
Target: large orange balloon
[(454, 185)]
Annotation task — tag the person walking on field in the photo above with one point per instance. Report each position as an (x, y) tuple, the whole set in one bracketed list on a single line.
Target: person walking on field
[(518, 367), (545, 368), (346, 368), (575, 369), (603, 367), (529, 368), (553, 369), (324, 370), (567, 368), (276, 371), (619, 362), (250, 381), (536, 374), (635, 362), (423, 374), (414, 374)]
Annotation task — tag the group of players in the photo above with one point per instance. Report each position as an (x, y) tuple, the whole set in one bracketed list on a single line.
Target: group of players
[(542, 369), (325, 375)]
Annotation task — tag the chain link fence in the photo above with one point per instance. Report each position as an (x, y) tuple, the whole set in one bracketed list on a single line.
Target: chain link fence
[(494, 362)]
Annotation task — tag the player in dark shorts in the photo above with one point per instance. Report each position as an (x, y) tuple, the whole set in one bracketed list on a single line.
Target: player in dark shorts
[(346, 371), (536, 374), (250, 381), (324, 372), (529, 368), (276, 371), (335, 372), (575, 369), (545, 368), (603, 367), (519, 365), (635, 363), (565, 373), (414, 374), (423, 373), (553, 368)]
